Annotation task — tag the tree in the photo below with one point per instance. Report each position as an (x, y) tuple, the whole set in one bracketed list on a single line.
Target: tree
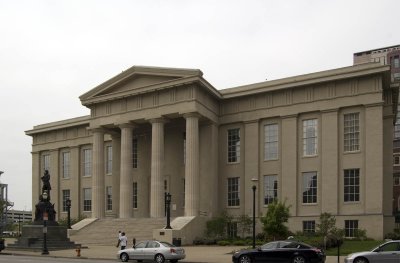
[(273, 221), (327, 224), (216, 227), (244, 224)]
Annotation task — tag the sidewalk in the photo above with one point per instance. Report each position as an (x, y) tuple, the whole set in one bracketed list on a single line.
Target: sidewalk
[(198, 254)]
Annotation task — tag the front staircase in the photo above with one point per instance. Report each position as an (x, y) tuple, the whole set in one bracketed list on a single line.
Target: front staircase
[(105, 231)]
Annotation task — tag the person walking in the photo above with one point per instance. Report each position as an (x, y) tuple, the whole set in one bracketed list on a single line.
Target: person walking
[(119, 237), (123, 241)]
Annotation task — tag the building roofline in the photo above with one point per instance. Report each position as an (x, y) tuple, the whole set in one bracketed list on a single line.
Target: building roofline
[(83, 120), (376, 49), (307, 79)]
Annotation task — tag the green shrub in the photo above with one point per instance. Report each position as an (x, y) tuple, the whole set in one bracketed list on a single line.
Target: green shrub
[(240, 242), (223, 243)]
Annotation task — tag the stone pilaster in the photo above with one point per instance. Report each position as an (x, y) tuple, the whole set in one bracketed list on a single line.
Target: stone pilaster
[(126, 180), (192, 183), (98, 193), (157, 166)]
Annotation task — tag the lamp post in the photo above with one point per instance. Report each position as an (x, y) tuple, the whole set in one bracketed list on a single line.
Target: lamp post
[(45, 251), (168, 203), (254, 187), (68, 204)]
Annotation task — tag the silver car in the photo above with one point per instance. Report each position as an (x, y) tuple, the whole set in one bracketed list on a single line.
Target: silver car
[(388, 252), (157, 251)]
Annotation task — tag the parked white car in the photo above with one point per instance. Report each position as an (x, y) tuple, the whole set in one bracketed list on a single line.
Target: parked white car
[(157, 251), (388, 252)]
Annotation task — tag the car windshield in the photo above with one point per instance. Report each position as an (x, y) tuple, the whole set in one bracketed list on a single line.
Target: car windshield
[(166, 244)]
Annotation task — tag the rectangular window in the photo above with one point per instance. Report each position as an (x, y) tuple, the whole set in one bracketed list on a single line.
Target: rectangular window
[(109, 158), (397, 124), (46, 162), (270, 189), (233, 191), (350, 228), (135, 152), (87, 199), (135, 195), (396, 159), (396, 62), (65, 197), (233, 145), (271, 142), (309, 226), (232, 229), (109, 198), (310, 137), (87, 162), (351, 132), (310, 187), (352, 185), (396, 179), (65, 164)]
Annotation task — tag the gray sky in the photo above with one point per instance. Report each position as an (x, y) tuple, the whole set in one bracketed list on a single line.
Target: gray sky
[(51, 52)]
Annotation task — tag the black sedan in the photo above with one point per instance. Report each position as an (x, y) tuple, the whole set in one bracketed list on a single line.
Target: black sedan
[(289, 251)]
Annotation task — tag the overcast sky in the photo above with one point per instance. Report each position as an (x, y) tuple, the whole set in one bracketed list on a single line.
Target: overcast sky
[(51, 52)]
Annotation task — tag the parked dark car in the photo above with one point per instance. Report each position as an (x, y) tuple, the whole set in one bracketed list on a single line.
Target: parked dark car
[(285, 251)]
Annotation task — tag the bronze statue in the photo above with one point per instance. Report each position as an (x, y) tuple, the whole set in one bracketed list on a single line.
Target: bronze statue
[(46, 183)]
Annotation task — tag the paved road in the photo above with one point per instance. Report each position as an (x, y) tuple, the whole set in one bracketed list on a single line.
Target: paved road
[(44, 259)]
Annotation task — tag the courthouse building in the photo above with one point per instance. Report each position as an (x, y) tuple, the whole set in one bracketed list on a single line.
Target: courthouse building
[(321, 141)]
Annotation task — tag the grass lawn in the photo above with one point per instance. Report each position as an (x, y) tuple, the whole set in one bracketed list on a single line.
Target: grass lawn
[(349, 247)]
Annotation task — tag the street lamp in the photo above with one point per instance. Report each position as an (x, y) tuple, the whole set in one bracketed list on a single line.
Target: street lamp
[(45, 251), (68, 204), (168, 203), (254, 180)]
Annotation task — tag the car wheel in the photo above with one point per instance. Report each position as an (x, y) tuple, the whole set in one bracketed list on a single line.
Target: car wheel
[(299, 259), (124, 257), (245, 259), (159, 258), (360, 260)]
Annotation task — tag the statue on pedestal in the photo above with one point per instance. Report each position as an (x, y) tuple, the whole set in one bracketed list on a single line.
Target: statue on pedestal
[(44, 205)]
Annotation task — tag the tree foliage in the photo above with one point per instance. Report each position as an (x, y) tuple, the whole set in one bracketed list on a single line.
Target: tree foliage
[(326, 225), (273, 221), (216, 227), (244, 224)]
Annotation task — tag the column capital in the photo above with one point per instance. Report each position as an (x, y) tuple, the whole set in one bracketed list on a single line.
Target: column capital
[(158, 120), (191, 114), (126, 125)]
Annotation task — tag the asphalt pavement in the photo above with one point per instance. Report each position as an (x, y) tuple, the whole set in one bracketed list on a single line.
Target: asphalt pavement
[(195, 254)]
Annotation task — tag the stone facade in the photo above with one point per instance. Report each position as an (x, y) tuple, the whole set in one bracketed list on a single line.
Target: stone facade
[(321, 138)]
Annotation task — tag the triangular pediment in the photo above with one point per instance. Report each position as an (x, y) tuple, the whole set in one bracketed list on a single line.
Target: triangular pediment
[(138, 79)]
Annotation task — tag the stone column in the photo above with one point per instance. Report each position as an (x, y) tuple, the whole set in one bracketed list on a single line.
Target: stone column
[(98, 193), (157, 165), (126, 177), (116, 166), (192, 198)]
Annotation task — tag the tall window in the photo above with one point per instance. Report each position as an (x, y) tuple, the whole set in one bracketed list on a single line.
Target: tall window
[(396, 159), (232, 229), (310, 188), (270, 189), (87, 199), (396, 179), (135, 152), (183, 193), (233, 145), (65, 197), (397, 125), (352, 185), (233, 191), (396, 62), (65, 164), (87, 162), (184, 147), (271, 142), (46, 162), (135, 195), (351, 132), (109, 158), (109, 197), (310, 137), (350, 228), (309, 226)]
